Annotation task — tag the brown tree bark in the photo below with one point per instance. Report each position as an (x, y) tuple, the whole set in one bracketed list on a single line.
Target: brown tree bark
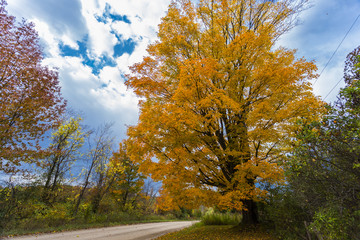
[(250, 214)]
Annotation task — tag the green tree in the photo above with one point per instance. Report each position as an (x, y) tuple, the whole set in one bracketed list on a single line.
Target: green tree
[(325, 167), (351, 69)]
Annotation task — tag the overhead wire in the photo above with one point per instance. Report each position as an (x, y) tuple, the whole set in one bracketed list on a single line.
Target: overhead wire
[(347, 33), (333, 88)]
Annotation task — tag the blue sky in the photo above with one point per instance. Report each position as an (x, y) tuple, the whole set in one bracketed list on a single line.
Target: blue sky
[(92, 43)]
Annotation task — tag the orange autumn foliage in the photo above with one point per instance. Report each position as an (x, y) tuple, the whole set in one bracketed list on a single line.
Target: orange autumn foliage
[(219, 101)]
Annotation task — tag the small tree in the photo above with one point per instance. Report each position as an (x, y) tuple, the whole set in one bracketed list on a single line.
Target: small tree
[(100, 151), (66, 142), (150, 191), (128, 186), (30, 100)]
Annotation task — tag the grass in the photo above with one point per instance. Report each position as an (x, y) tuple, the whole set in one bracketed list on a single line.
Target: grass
[(223, 232), (212, 218), (224, 226)]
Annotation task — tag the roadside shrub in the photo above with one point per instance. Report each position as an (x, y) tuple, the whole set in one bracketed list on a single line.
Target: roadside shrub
[(196, 213), (285, 215), (213, 218), (335, 224)]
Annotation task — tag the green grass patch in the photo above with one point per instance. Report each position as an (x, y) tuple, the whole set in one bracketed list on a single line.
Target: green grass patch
[(213, 218), (202, 232)]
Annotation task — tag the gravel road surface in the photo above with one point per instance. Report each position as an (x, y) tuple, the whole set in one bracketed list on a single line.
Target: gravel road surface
[(126, 232)]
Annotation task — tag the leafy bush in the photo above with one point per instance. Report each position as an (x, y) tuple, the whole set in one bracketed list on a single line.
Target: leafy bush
[(213, 218), (196, 213), (286, 213), (335, 224)]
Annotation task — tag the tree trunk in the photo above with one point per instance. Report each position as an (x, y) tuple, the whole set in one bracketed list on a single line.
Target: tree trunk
[(124, 199), (46, 191), (241, 144), (100, 193), (78, 201), (250, 214), (96, 202), (82, 192)]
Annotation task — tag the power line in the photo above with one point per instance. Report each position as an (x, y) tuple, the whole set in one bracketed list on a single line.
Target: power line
[(333, 88), (347, 33)]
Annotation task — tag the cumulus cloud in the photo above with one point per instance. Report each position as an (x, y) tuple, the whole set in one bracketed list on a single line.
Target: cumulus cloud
[(124, 29), (63, 16), (102, 41), (92, 43), (77, 80), (105, 37), (135, 32), (111, 92)]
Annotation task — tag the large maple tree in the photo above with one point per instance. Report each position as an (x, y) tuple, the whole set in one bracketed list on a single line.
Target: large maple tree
[(30, 99), (218, 102)]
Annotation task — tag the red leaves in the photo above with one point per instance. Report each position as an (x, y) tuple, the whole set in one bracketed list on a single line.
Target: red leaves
[(30, 99)]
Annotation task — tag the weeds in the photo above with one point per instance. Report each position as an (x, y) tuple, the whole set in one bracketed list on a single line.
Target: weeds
[(213, 218)]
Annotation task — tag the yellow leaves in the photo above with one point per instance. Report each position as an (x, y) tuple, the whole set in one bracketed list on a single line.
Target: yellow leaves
[(233, 200), (68, 138), (262, 168), (114, 167), (242, 186), (178, 30), (166, 203), (175, 195), (218, 95), (258, 43)]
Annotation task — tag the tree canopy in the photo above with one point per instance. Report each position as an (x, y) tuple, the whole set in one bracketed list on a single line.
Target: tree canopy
[(30, 99), (218, 101)]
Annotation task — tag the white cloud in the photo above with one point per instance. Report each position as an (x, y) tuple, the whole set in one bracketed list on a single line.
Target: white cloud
[(124, 29), (105, 97), (67, 40), (102, 98), (144, 17), (126, 60), (102, 41), (149, 11), (63, 16), (47, 37), (77, 80), (114, 95)]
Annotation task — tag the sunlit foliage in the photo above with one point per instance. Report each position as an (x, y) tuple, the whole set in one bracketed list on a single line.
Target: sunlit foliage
[(219, 102)]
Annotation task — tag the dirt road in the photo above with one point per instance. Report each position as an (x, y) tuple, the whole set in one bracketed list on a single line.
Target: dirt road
[(128, 232)]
